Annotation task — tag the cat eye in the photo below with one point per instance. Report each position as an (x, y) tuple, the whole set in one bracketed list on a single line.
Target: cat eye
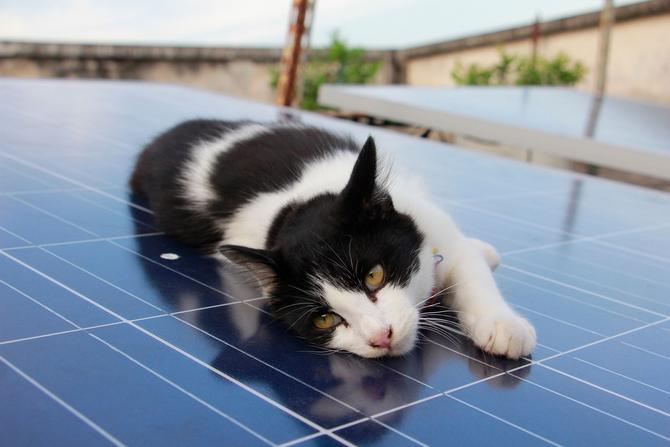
[(375, 278), (327, 321)]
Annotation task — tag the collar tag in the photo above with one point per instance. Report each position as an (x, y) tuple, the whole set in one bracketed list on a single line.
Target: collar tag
[(438, 260), (437, 256)]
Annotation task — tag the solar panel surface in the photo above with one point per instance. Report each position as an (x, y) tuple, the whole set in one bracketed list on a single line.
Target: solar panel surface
[(105, 340)]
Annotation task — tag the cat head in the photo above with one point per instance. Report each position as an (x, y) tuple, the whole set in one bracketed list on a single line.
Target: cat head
[(346, 271)]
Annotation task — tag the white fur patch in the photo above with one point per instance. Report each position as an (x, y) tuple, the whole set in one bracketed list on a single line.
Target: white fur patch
[(197, 174), (395, 308), (251, 223)]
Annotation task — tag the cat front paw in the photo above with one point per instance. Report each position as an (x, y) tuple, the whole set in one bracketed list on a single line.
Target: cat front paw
[(510, 335)]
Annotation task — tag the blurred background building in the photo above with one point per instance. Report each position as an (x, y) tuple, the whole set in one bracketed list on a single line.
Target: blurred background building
[(638, 67)]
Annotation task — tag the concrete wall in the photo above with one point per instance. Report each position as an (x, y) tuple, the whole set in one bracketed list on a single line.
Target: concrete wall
[(639, 61), (239, 72), (244, 72), (240, 78)]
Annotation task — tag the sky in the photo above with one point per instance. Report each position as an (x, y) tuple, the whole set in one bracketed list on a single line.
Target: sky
[(366, 23)]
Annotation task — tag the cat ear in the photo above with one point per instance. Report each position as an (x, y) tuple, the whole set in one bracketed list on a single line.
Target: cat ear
[(362, 196), (361, 185), (261, 263)]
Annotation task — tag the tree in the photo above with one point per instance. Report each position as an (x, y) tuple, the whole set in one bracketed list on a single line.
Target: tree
[(521, 70), (337, 64)]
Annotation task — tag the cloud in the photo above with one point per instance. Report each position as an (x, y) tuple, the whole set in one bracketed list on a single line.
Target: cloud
[(205, 21), (381, 23)]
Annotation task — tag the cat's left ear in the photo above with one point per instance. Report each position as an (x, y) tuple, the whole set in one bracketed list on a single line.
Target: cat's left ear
[(261, 263), (361, 195), (361, 185)]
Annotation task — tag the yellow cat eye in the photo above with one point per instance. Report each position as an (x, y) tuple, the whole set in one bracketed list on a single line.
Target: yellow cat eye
[(327, 321), (375, 278)]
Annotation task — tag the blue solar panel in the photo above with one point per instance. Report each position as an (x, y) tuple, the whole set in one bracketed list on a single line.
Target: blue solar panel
[(112, 333)]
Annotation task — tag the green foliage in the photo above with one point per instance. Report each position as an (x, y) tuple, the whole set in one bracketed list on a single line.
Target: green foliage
[(521, 70), (338, 64)]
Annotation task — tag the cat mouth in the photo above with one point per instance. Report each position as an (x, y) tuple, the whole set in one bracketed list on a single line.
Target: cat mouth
[(380, 352), (392, 351)]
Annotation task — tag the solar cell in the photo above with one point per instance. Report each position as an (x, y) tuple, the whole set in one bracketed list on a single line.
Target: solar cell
[(113, 333)]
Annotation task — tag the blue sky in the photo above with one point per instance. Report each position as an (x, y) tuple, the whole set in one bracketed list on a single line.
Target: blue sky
[(369, 23)]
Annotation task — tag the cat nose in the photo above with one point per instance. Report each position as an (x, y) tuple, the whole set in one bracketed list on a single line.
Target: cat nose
[(382, 339)]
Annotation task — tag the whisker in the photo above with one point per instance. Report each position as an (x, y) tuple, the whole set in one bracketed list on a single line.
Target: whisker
[(313, 305), (443, 333), (436, 294), (307, 312), (440, 308), (299, 289), (341, 262), (441, 323), (438, 321), (323, 350), (440, 313)]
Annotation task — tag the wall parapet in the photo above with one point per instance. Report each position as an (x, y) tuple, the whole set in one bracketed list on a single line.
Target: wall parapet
[(566, 24)]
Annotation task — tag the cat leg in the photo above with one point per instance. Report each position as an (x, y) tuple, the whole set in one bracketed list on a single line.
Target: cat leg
[(484, 314), (465, 270)]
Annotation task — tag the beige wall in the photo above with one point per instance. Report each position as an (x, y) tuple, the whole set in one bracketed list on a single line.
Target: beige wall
[(250, 79), (239, 78), (639, 64)]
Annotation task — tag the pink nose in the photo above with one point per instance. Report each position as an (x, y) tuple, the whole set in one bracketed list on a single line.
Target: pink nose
[(382, 339)]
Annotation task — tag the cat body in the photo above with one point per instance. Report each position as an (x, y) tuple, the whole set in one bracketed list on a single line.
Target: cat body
[(350, 253)]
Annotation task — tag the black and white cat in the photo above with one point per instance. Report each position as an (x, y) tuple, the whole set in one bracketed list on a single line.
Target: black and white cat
[(348, 253)]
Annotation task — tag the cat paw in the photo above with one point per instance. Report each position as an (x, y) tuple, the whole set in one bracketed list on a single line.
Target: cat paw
[(509, 335)]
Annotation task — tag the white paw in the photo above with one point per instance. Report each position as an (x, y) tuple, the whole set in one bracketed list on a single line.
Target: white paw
[(508, 334)]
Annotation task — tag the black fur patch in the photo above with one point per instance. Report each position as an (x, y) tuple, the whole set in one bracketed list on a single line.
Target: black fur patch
[(157, 174), (268, 162), (264, 163)]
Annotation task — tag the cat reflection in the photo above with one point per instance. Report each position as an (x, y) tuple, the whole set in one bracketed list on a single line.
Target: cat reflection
[(343, 382)]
